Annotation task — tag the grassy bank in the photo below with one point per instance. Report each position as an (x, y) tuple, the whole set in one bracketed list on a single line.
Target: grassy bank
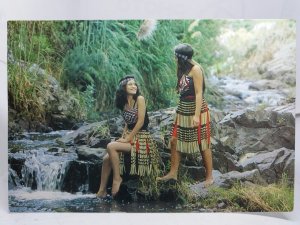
[(248, 198)]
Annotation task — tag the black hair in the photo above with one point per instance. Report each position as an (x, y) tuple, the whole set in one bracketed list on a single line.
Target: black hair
[(121, 94), (184, 54)]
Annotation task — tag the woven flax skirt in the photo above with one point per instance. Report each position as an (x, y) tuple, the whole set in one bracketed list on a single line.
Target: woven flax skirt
[(191, 139), (144, 155)]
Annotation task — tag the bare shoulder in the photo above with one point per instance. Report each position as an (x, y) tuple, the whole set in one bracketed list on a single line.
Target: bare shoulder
[(140, 99), (196, 70)]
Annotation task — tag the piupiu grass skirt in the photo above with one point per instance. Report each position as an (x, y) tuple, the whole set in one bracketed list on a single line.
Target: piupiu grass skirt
[(191, 139), (144, 156)]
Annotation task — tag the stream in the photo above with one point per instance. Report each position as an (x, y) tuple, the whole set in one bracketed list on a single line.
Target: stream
[(237, 94), (43, 172), (38, 165)]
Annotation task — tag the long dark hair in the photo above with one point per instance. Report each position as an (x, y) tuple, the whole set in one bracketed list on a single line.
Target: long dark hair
[(184, 54), (121, 94)]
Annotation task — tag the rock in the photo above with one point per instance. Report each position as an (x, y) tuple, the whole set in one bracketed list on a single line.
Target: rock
[(262, 85), (56, 149), (253, 131), (197, 173), (81, 176), (271, 165), (227, 180), (95, 142), (81, 139), (14, 181), (16, 162), (61, 122), (283, 64), (90, 154), (289, 168), (81, 135)]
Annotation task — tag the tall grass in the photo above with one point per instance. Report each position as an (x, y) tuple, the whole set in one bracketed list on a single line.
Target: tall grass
[(89, 57), (112, 50), (253, 198), (29, 43), (24, 94)]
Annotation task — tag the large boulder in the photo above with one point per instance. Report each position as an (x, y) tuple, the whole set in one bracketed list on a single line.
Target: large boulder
[(227, 180), (282, 66), (249, 130), (271, 165), (94, 134)]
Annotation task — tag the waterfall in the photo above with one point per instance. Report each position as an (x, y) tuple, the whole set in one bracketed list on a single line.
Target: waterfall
[(43, 172)]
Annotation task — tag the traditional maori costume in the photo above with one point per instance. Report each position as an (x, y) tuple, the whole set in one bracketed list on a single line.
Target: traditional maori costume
[(190, 139), (144, 153)]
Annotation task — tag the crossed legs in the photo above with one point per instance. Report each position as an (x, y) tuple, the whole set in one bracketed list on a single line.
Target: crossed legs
[(111, 162)]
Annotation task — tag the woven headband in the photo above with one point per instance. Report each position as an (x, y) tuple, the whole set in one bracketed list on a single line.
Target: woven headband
[(184, 57), (126, 80)]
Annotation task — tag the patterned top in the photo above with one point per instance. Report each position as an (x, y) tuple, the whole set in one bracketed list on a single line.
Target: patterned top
[(186, 86), (131, 117)]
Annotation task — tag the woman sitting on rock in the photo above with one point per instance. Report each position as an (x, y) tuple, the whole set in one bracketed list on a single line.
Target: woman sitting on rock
[(135, 139)]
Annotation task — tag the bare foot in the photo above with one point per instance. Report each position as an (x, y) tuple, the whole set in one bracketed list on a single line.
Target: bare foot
[(101, 194), (167, 177), (116, 186), (208, 182)]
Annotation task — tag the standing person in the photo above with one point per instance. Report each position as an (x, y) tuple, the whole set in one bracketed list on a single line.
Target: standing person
[(135, 139), (191, 127)]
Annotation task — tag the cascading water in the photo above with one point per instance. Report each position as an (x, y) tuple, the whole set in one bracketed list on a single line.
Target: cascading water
[(238, 95), (47, 178), (44, 171), (44, 162)]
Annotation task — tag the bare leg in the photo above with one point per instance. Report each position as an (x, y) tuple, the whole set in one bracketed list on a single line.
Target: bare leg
[(175, 161), (207, 160), (105, 172), (113, 150)]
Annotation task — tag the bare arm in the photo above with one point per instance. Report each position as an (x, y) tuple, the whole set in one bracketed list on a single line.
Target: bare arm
[(198, 83), (141, 117)]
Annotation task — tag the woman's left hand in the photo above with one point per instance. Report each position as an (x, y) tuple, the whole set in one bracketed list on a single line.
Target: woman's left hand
[(124, 140), (196, 121)]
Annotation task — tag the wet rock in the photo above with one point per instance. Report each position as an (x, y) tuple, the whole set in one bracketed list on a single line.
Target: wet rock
[(90, 154), (81, 135), (81, 176), (14, 181), (96, 142), (16, 162)]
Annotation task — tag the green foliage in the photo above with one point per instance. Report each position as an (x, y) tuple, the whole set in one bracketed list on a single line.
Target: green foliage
[(79, 71), (253, 198), (36, 42), (202, 34), (112, 51), (89, 57), (24, 94)]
